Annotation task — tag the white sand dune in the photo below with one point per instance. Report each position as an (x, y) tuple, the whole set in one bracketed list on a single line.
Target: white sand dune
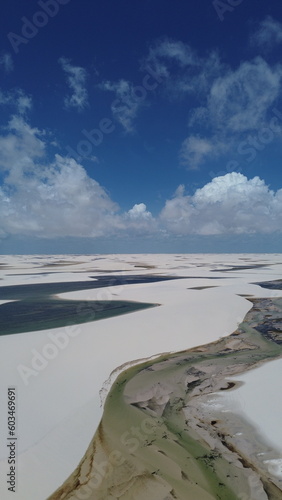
[(59, 404)]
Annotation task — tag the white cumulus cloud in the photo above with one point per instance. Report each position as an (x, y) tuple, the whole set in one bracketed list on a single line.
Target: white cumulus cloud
[(175, 50), (240, 99), (229, 204), (195, 150), (16, 99), (139, 211), (6, 62), (57, 198), (267, 35), (183, 70), (139, 220), (224, 102), (238, 102), (127, 103), (48, 199), (76, 79)]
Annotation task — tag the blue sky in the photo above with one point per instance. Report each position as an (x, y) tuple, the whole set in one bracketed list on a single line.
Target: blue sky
[(140, 126)]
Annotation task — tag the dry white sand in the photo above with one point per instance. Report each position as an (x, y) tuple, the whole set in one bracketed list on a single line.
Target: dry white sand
[(259, 401), (59, 405)]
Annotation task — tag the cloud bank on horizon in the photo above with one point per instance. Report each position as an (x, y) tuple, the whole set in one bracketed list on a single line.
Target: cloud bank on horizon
[(230, 108), (59, 199)]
